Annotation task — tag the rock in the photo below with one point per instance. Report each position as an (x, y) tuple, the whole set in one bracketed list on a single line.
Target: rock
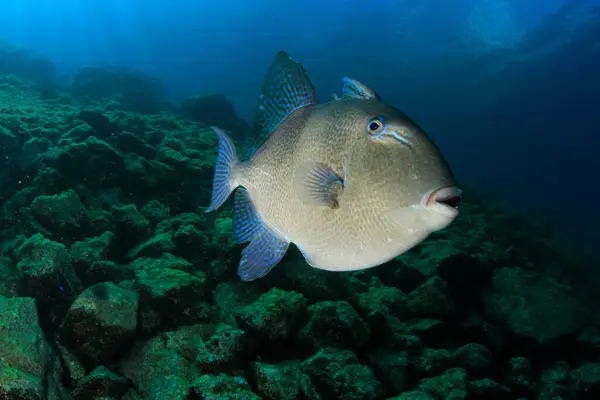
[(101, 321), (129, 143), (20, 62), (101, 383), (24, 353), (533, 306), (46, 268), (278, 381), (487, 389), (338, 374), (157, 371), (134, 90), (274, 315), (377, 305), (153, 247), (231, 297), (410, 343), (433, 362), (334, 323), (209, 387), (222, 349), (99, 122), (585, 381), (131, 226), (431, 299), (92, 250), (10, 284), (392, 367), (214, 110), (407, 278), (451, 385), (63, 214), (431, 332), (155, 212), (553, 383), (466, 275), (519, 376), (476, 359), (414, 395), (165, 284), (92, 162)]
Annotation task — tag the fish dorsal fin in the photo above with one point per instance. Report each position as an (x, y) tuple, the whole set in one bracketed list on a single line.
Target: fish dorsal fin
[(355, 90), (286, 88)]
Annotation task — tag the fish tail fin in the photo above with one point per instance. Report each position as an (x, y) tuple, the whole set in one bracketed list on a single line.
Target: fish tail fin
[(223, 180)]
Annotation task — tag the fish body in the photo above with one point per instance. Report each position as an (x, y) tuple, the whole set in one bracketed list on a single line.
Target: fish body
[(352, 183)]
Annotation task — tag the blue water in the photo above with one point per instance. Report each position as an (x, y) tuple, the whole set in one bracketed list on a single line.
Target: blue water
[(507, 88)]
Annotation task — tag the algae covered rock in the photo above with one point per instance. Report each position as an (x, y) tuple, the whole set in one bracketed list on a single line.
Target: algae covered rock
[(334, 323), (24, 352), (101, 382), (100, 323), (534, 306), (278, 381), (157, 371), (337, 374), (64, 214), (165, 284), (274, 314), (221, 386), (451, 385)]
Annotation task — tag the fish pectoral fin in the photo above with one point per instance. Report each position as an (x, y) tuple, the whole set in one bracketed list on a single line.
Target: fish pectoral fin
[(319, 185), (286, 88), (355, 90), (266, 248)]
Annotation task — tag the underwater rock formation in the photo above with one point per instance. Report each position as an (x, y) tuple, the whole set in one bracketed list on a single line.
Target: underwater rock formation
[(215, 110), (115, 284)]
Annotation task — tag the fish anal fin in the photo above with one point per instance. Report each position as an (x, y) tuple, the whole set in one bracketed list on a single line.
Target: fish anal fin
[(266, 248)]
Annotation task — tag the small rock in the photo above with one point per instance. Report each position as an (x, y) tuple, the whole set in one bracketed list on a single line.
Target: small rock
[(433, 362), (431, 299), (223, 348), (534, 306), (585, 381), (553, 383), (274, 314), (101, 382), (99, 323), (131, 226), (64, 214), (414, 395), (339, 374), (487, 389), (213, 387), (155, 212), (92, 250), (157, 371), (476, 359), (153, 247), (393, 368), (519, 376), (24, 352), (451, 385), (334, 323), (278, 381)]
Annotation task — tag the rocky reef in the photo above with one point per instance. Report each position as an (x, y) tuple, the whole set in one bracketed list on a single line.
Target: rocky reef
[(114, 284)]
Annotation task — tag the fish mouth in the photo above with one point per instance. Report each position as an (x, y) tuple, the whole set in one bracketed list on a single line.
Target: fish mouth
[(444, 200)]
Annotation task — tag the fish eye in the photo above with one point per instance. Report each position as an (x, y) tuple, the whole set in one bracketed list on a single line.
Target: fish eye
[(375, 125)]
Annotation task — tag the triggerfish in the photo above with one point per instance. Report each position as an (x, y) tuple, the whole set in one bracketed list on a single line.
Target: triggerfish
[(352, 183)]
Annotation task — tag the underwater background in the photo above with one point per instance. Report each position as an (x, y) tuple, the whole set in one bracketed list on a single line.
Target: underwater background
[(114, 283)]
